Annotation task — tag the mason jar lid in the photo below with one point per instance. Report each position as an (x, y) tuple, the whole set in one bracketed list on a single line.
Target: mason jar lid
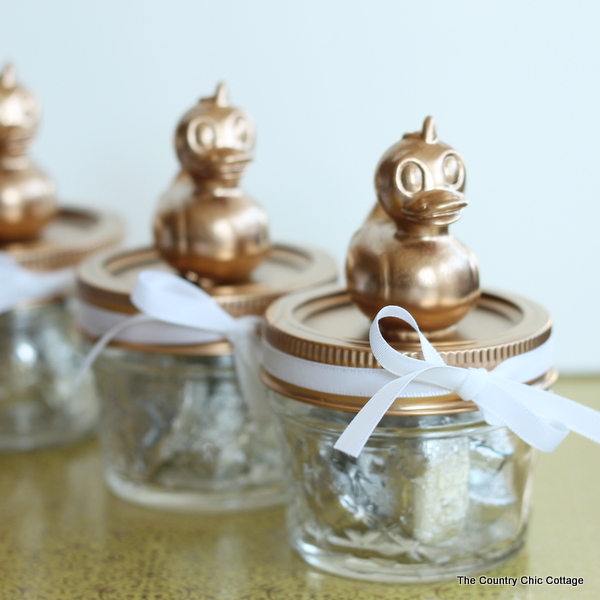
[(70, 237), (317, 344), (325, 326), (106, 281)]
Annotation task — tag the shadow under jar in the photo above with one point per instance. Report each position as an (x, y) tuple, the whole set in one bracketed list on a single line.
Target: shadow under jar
[(177, 433), (436, 491)]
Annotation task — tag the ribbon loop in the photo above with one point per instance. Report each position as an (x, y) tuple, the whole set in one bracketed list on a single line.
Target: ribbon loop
[(540, 418)]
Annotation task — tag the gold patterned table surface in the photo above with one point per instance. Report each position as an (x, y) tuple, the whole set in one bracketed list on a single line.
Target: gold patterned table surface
[(63, 536)]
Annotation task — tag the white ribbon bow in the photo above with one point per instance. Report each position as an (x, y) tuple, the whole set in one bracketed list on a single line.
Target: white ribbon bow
[(540, 418), (171, 299), (18, 284)]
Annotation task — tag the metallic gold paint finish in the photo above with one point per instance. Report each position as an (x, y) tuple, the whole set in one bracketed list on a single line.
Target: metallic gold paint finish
[(403, 254), (64, 537), (32, 228), (71, 236), (325, 326), (107, 280), (27, 194), (205, 226), (447, 404)]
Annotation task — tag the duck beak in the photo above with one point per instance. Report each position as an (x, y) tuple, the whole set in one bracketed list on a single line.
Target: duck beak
[(434, 204), (228, 163)]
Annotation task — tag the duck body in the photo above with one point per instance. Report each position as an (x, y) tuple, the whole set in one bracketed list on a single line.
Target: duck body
[(219, 232), (434, 277), (27, 195), (403, 254), (206, 226), (27, 202)]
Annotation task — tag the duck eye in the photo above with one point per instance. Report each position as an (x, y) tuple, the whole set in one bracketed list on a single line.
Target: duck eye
[(201, 135), (452, 169), (411, 178), (28, 105), (242, 131), (205, 135)]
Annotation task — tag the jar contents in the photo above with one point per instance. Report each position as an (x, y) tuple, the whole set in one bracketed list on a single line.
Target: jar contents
[(428, 496), (39, 357), (178, 434)]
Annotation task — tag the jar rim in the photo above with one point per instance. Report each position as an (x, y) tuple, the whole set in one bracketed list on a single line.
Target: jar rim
[(430, 405)]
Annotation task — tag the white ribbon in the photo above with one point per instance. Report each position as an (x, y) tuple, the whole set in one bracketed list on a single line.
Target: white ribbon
[(164, 298), (95, 322), (18, 284), (540, 418), (362, 382)]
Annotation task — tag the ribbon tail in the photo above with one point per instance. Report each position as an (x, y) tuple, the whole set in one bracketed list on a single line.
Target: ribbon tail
[(251, 387), (101, 343), (356, 435), (560, 411), (247, 351), (513, 405), (577, 417)]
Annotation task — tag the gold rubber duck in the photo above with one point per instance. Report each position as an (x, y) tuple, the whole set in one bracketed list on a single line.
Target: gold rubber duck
[(403, 254), (206, 226), (27, 194)]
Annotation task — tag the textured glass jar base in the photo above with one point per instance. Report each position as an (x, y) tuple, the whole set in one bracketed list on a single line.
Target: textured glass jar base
[(195, 501), (428, 498), (39, 359), (178, 435), (390, 571)]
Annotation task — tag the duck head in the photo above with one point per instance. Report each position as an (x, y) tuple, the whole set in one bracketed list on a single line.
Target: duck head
[(420, 181), (19, 115), (214, 140)]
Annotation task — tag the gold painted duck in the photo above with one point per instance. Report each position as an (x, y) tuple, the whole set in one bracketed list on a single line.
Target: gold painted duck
[(404, 254), (27, 194), (205, 223)]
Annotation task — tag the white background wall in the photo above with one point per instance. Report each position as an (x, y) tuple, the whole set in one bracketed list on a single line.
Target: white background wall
[(514, 86)]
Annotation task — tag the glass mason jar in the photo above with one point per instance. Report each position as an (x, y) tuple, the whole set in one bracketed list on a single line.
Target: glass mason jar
[(177, 432), (428, 497), (39, 358), (40, 352), (436, 491)]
